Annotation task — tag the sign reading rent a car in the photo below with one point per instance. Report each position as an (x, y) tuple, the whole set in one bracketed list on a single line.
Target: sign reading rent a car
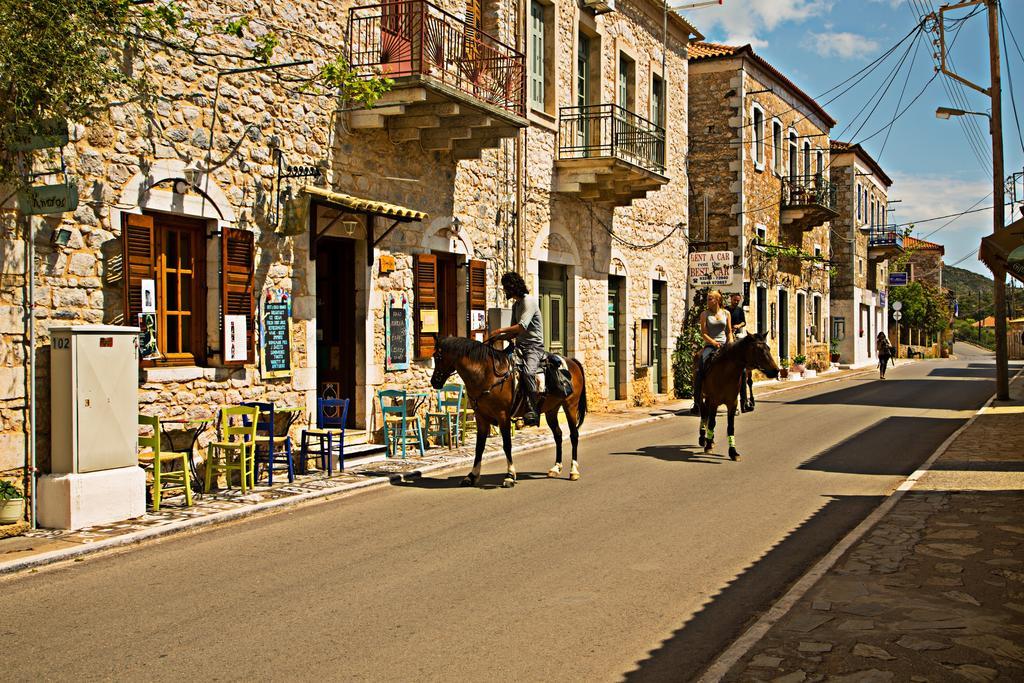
[(711, 268)]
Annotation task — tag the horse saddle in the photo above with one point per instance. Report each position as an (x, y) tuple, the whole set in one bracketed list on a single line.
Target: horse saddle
[(554, 378)]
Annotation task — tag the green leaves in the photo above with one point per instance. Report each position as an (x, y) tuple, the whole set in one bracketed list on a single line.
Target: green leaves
[(687, 345), (338, 75), (236, 27)]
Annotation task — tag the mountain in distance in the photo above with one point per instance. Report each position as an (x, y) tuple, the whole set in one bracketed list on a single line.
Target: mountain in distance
[(973, 291)]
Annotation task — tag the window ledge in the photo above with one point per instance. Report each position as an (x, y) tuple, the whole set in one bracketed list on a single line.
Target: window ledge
[(188, 373), (543, 119)]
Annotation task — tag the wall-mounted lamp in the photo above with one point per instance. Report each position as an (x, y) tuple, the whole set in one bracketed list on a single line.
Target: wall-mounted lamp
[(192, 173), (60, 237)]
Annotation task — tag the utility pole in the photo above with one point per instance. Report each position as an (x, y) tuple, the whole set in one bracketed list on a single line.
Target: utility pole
[(994, 91)]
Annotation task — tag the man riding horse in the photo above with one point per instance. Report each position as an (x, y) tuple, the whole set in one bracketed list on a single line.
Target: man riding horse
[(528, 332)]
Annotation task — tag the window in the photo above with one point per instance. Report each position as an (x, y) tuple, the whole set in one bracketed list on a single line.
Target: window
[(819, 166), (777, 146), (817, 250), (538, 54), (657, 100), (170, 252), (762, 310), (859, 200), (627, 81), (793, 160), (436, 306), (872, 218), (807, 160), (758, 137), (762, 233), (816, 319)]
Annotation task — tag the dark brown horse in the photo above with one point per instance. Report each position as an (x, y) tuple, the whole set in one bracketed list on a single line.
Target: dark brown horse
[(492, 390), (721, 385)]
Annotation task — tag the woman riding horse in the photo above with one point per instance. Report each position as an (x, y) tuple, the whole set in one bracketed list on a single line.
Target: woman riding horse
[(716, 331), (721, 385), (491, 388)]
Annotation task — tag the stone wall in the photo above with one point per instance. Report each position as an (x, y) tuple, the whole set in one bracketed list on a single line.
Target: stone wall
[(126, 163)]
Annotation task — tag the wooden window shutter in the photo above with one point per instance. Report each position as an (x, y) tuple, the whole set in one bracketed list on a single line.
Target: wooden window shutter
[(138, 238), (425, 285), (238, 258), (478, 285)]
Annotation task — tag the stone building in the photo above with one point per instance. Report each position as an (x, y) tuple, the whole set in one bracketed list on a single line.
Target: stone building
[(545, 137), (759, 150), (923, 261), (862, 244)]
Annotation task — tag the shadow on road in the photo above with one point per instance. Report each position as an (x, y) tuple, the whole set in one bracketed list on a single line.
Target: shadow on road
[(676, 453), (923, 394), (916, 437), (415, 480), (692, 647), (986, 373)]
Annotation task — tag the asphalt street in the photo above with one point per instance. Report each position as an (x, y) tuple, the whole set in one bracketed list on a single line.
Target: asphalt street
[(643, 570)]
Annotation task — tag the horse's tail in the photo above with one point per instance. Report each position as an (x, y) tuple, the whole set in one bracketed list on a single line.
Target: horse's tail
[(581, 409)]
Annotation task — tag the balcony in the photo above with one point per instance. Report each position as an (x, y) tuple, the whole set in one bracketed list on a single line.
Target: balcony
[(457, 89), (608, 154), (884, 243), (807, 202)]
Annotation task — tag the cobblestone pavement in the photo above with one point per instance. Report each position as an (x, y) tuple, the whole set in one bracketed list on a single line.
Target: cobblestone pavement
[(935, 591)]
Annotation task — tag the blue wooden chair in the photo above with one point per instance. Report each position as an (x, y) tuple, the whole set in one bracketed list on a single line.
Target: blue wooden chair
[(446, 422), (320, 441), (271, 439), (400, 428)]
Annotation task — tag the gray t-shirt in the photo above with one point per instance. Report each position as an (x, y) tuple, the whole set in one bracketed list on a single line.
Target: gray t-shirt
[(527, 313)]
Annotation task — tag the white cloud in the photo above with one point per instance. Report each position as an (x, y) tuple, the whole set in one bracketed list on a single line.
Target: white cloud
[(744, 21), (841, 44)]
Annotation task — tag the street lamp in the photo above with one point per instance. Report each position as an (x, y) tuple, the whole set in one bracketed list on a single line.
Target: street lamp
[(946, 112)]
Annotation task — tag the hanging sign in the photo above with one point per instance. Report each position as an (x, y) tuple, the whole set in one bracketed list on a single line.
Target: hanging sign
[(235, 339), (45, 199), (396, 333), (897, 279), (276, 335), (711, 268), (148, 288)]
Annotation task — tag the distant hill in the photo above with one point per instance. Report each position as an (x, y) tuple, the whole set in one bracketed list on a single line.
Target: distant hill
[(973, 291)]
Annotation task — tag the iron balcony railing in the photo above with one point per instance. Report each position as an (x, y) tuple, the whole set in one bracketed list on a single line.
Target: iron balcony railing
[(607, 130), (416, 38), (885, 237), (808, 190)]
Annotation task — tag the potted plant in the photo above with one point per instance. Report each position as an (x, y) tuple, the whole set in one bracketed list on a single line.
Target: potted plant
[(783, 368), (799, 364), (833, 348), (12, 503)]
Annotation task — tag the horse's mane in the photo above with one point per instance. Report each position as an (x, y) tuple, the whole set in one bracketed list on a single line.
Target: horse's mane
[(736, 348), (469, 348)]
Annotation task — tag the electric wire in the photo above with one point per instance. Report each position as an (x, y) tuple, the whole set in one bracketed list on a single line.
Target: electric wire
[(956, 217), (1005, 26), (903, 92)]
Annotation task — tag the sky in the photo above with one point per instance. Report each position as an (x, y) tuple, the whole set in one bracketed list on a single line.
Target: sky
[(935, 170)]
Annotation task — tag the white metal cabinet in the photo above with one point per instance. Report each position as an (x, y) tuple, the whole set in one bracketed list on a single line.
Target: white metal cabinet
[(94, 391)]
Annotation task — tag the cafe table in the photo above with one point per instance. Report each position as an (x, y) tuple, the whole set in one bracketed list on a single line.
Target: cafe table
[(174, 431)]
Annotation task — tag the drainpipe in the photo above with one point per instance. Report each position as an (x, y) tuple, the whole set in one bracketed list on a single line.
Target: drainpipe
[(30, 323)]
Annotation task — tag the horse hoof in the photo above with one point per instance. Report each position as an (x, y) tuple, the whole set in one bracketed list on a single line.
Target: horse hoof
[(734, 454), (702, 441), (554, 472), (508, 483), (708, 446), (469, 480), (575, 476)]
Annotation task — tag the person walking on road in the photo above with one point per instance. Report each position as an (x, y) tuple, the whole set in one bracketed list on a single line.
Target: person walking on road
[(739, 331), (527, 329), (884, 352), (715, 331)]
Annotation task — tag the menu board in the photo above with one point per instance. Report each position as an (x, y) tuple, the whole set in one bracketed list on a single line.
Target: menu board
[(396, 330), (276, 349)]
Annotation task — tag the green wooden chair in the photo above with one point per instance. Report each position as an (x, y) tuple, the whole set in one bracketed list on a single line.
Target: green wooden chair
[(236, 449), (446, 424), (400, 428), (165, 477)]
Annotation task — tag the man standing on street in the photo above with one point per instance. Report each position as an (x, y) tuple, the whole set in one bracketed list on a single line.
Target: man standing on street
[(739, 331), (528, 331)]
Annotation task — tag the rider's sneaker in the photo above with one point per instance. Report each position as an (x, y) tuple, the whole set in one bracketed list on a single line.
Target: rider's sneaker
[(531, 420)]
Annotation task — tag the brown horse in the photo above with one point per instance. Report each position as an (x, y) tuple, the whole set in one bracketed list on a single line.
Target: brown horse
[(491, 387), (721, 385)]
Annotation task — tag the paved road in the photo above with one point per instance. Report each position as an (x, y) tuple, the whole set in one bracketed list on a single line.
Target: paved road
[(643, 570)]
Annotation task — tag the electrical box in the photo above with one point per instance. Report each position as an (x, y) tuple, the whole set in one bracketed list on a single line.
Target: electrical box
[(498, 318), (94, 397)]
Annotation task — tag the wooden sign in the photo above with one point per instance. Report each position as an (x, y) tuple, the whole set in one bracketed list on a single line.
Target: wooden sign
[(45, 199), (387, 264), (397, 324), (276, 335)]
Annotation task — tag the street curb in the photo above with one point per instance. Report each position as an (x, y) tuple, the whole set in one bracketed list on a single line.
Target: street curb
[(724, 663), (138, 537)]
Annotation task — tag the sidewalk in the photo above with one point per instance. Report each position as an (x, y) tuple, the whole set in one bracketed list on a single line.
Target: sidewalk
[(44, 546), (933, 592)]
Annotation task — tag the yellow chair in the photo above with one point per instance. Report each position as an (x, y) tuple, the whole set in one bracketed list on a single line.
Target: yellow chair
[(164, 477), (236, 449)]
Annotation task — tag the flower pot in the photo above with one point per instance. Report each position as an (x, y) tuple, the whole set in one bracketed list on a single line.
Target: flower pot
[(783, 373), (833, 357), (797, 368), (12, 511)]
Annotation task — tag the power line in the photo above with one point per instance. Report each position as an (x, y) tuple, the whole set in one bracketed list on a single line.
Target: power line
[(952, 220), (939, 218), (1004, 25)]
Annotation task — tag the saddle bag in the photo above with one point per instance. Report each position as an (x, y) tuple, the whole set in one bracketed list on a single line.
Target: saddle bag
[(557, 377)]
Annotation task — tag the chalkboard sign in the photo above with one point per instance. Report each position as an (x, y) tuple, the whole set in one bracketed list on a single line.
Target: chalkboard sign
[(396, 334), (276, 353)]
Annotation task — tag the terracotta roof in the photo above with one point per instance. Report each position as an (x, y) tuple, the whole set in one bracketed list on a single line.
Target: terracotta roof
[(914, 243), (376, 208), (839, 147), (990, 321), (702, 51)]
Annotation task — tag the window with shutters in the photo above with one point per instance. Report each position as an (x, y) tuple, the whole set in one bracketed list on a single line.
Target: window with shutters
[(758, 115), (238, 257), (477, 285), (170, 251), (777, 146), (436, 282), (540, 57), (627, 82), (657, 100)]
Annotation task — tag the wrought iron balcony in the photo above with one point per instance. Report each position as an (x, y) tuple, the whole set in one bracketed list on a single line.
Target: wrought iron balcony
[(807, 201), (884, 243), (418, 40), (609, 154)]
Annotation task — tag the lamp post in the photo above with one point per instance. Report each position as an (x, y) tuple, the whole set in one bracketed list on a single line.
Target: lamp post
[(995, 119)]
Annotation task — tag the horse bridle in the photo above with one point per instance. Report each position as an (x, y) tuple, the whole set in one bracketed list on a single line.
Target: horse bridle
[(502, 377)]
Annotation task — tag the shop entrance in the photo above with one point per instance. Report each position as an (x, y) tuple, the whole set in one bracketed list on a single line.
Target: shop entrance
[(783, 324), (336, 321)]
